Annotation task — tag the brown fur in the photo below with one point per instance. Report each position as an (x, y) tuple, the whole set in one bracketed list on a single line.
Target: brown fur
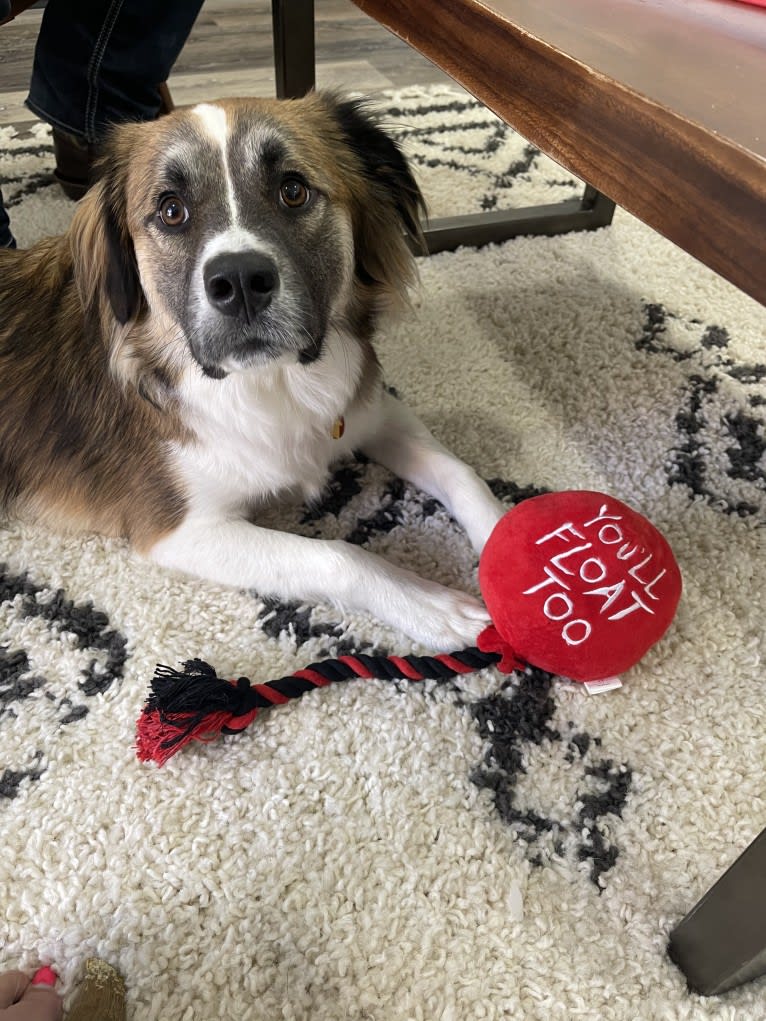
[(76, 447)]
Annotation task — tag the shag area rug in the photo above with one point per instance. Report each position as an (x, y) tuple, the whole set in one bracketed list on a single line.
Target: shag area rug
[(490, 848)]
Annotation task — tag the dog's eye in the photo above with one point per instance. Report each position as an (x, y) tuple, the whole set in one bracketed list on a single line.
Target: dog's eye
[(172, 211), (293, 193)]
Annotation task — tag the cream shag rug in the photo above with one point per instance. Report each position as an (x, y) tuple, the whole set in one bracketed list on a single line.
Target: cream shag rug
[(494, 848)]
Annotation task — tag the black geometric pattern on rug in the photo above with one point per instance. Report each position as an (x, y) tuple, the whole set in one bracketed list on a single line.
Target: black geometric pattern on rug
[(348, 482), (519, 717), (12, 779), (83, 628), (433, 148), (390, 514), (345, 484), (278, 618), (18, 187), (510, 493), (720, 438)]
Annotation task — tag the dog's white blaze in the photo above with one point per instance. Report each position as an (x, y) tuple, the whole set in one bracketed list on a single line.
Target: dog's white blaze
[(235, 239), (216, 126)]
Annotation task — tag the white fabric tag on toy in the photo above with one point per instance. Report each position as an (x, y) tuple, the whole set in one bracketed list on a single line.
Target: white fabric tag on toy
[(599, 687)]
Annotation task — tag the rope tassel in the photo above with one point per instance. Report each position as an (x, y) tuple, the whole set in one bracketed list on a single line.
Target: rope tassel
[(194, 704)]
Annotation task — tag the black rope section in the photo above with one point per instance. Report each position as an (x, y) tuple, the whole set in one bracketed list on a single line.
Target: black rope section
[(194, 703)]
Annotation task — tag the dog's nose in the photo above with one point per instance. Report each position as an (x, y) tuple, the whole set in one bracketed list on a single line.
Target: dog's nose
[(240, 284)]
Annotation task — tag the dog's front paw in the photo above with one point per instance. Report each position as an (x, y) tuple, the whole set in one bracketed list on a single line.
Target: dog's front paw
[(442, 619), (450, 620)]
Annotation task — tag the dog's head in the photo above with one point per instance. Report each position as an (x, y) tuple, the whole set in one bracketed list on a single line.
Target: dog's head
[(239, 232)]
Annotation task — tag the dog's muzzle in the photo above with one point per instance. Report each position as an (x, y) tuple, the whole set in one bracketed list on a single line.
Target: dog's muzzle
[(251, 313), (240, 284)]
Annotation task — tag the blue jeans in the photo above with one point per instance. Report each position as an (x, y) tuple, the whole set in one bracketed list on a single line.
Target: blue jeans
[(99, 62)]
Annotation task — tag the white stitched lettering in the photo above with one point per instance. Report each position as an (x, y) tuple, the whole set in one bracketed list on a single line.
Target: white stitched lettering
[(566, 634), (568, 606), (556, 561)]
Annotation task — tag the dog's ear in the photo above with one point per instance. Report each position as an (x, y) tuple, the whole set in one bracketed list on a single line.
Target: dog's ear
[(105, 264), (122, 283), (388, 207)]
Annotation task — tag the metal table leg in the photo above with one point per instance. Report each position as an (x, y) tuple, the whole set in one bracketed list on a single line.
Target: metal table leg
[(721, 943)]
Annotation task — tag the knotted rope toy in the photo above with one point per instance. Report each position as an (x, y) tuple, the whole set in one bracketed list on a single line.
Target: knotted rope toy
[(576, 583)]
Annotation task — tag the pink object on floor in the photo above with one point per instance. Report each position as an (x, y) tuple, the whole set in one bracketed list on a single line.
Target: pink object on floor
[(44, 976)]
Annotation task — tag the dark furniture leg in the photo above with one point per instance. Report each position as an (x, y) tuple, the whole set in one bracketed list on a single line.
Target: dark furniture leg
[(294, 61), (721, 943), (591, 211)]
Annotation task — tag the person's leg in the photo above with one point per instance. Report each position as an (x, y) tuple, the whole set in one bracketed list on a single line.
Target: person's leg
[(7, 239), (99, 62)]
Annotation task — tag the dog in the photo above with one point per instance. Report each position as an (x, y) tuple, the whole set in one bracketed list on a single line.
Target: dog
[(200, 341)]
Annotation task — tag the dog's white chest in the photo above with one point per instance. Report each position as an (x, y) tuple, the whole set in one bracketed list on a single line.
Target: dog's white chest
[(267, 430)]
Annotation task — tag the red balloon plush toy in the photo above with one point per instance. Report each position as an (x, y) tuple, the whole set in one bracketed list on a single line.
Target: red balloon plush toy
[(576, 583)]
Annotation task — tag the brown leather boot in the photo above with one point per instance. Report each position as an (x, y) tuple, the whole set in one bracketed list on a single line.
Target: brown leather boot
[(75, 158)]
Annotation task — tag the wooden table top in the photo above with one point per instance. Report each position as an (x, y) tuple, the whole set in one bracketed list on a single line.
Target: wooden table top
[(704, 59), (660, 104)]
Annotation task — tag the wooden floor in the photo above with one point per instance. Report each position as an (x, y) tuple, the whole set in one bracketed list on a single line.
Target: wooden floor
[(229, 53)]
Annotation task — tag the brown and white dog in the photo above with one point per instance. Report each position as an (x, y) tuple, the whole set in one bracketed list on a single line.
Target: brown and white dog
[(189, 348)]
